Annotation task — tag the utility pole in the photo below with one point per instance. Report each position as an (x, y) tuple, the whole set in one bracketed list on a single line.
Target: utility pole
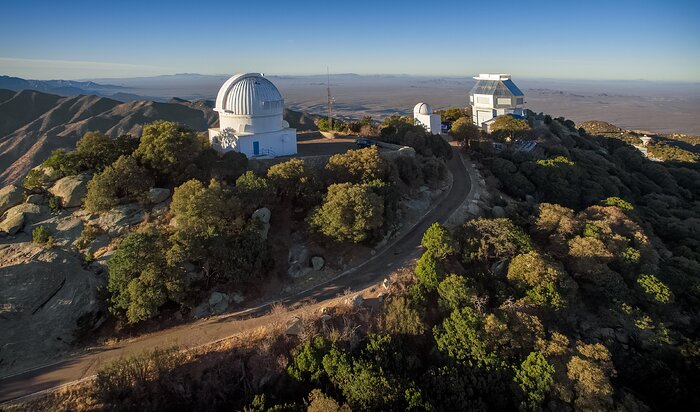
[(330, 101)]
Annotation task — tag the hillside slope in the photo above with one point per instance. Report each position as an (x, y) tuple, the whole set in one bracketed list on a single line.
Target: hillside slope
[(32, 123)]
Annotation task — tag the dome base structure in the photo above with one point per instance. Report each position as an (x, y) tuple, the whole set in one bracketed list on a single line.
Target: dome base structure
[(251, 119), (423, 116)]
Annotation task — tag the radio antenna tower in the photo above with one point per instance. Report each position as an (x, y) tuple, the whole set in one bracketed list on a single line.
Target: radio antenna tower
[(330, 101)]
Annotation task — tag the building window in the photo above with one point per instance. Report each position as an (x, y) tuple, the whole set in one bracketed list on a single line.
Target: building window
[(504, 100), (483, 99), (520, 100)]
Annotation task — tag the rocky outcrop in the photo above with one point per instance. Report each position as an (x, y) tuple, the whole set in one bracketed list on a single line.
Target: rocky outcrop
[(118, 219), (44, 292), (263, 215), (158, 195), (71, 190), (10, 196), (19, 216), (12, 223)]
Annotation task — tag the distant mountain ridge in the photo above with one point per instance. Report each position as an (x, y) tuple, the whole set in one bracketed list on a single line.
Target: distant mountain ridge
[(33, 123), (60, 87)]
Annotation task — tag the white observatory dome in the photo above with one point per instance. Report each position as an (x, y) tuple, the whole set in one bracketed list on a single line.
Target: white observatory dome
[(422, 108), (249, 94)]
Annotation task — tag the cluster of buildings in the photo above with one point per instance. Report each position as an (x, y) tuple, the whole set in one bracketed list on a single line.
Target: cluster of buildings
[(251, 111)]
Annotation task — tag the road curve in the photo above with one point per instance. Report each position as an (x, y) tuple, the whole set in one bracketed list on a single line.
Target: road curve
[(403, 251)]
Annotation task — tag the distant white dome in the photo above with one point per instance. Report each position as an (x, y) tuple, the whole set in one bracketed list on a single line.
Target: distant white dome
[(249, 94), (423, 108)]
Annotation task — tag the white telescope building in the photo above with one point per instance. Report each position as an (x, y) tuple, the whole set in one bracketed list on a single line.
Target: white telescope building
[(423, 116), (495, 94), (251, 118)]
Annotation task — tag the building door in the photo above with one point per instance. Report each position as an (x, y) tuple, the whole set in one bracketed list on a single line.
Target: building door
[(256, 148)]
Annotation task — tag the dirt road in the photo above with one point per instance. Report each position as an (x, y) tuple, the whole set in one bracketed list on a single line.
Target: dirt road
[(201, 332)]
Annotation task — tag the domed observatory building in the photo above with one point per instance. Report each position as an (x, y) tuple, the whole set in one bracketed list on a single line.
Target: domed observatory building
[(250, 119), (423, 116), (493, 95)]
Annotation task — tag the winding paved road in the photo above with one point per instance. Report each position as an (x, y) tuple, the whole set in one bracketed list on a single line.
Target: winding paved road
[(198, 333)]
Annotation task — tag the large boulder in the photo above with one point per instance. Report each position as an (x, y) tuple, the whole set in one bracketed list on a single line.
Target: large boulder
[(12, 223), (317, 262), (10, 196), (71, 190), (19, 216), (158, 195), (298, 260), (118, 219), (263, 214), (43, 294)]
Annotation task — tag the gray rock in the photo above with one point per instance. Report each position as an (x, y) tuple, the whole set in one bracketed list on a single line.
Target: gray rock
[(317, 262), (355, 301), (473, 209), (12, 223), (158, 195), (529, 199), (263, 215), (36, 199), (217, 297), (237, 298), (220, 307), (32, 213), (297, 259), (71, 190), (500, 268), (498, 211), (10, 196), (118, 219), (294, 327), (202, 310)]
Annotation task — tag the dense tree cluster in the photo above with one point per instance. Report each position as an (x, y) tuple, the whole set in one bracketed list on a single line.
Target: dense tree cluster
[(401, 131)]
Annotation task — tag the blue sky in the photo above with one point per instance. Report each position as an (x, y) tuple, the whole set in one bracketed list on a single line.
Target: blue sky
[(611, 39)]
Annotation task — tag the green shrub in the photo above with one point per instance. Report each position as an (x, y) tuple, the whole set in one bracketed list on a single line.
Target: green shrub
[(486, 239), (169, 150), (140, 279), (454, 292), (54, 204), (63, 162), (559, 160), (307, 363), (438, 241), (535, 379), (616, 201), (357, 166), (349, 213), (41, 235), (400, 318), (429, 271), (655, 289), (124, 181)]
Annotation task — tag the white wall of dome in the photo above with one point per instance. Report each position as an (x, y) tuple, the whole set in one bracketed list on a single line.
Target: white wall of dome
[(423, 116), (251, 113)]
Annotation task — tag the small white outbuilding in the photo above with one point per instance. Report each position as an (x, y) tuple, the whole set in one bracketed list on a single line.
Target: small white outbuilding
[(423, 116), (251, 120)]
